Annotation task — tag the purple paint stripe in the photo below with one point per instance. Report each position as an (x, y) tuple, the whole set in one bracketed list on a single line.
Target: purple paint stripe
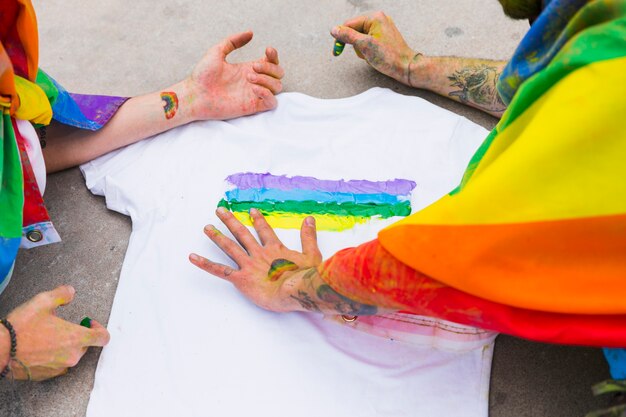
[(248, 180)]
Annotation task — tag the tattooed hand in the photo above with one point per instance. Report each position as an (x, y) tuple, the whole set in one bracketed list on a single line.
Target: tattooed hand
[(376, 39), (217, 89), (271, 275)]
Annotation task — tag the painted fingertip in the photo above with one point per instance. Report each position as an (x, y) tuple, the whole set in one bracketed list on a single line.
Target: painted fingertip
[(221, 210), (86, 322), (310, 221)]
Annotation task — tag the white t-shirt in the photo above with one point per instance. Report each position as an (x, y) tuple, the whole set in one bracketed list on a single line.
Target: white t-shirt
[(185, 343)]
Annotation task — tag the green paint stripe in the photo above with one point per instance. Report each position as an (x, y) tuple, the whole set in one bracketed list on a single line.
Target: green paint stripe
[(402, 208)]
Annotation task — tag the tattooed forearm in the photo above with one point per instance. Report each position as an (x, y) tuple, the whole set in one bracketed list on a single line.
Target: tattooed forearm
[(306, 301), (314, 294), (477, 86), (343, 305)]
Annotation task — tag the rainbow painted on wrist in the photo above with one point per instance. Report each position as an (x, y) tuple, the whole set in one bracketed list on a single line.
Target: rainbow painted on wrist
[(336, 204), (338, 48), (170, 103)]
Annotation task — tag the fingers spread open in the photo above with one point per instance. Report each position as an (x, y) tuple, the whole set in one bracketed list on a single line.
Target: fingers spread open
[(235, 41), (239, 231), (268, 68), (263, 229), (271, 83), (213, 268), (308, 237), (227, 245)]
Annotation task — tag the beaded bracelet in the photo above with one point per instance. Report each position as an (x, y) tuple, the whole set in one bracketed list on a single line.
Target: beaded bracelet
[(9, 327)]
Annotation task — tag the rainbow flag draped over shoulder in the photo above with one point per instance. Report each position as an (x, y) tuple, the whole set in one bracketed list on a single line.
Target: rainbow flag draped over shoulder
[(335, 204), (539, 220), (27, 93)]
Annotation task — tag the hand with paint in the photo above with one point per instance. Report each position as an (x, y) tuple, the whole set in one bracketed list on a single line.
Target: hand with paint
[(47, 345), (218, 89), (471, 81), (271, 275), (376, 39)]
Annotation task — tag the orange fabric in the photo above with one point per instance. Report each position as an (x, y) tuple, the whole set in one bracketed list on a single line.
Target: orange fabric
[(548, 265), (27, 30), (19, 45), (370, 274)]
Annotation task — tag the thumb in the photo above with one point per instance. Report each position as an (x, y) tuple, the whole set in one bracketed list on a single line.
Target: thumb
[(348, 35), (308, 237), (233, 42), (98, 335)]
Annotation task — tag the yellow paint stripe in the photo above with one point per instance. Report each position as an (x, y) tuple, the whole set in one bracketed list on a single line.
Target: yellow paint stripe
[(328, 222)]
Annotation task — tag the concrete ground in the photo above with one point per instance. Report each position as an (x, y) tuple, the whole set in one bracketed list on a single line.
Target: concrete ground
[(127, 48)]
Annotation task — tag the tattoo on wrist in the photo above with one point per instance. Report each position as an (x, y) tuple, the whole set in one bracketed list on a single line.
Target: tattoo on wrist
[(477, 85), (320, 297), (306, 301), (279, 267), (344, 305), (41, 133), (170, 103)]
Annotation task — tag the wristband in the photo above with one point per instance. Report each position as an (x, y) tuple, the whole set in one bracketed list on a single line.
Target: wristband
[(13, 350)]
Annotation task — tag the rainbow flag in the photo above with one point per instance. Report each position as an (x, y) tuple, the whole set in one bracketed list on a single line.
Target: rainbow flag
[(336, 204)]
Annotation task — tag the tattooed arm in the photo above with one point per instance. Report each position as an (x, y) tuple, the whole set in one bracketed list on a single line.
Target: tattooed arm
[(470, 81), (215, 89), (312, 293), (376, 39), (273, 276)]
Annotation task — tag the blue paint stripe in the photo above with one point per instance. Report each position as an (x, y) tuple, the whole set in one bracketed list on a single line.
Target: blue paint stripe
[(273, 194)]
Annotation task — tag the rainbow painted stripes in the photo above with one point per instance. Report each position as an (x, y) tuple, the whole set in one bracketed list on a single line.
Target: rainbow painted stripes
[(336, 204)]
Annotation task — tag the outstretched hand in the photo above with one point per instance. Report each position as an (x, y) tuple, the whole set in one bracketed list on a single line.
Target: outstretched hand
[(264, 265), (218, 89), (47, 345), (376, 39)]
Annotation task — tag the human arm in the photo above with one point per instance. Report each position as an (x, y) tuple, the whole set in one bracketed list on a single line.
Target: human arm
[(215, 89), (46, 344), (273, 276), (471, 81)]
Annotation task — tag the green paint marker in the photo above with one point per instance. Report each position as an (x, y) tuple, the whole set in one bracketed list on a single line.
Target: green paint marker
[(86, 322), (338, 48)]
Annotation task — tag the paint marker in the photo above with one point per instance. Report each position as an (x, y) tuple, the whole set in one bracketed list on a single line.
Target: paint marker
[(86, 322), (338, 48)]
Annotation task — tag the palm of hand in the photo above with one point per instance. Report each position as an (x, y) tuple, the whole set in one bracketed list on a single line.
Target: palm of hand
[(221, 90)]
